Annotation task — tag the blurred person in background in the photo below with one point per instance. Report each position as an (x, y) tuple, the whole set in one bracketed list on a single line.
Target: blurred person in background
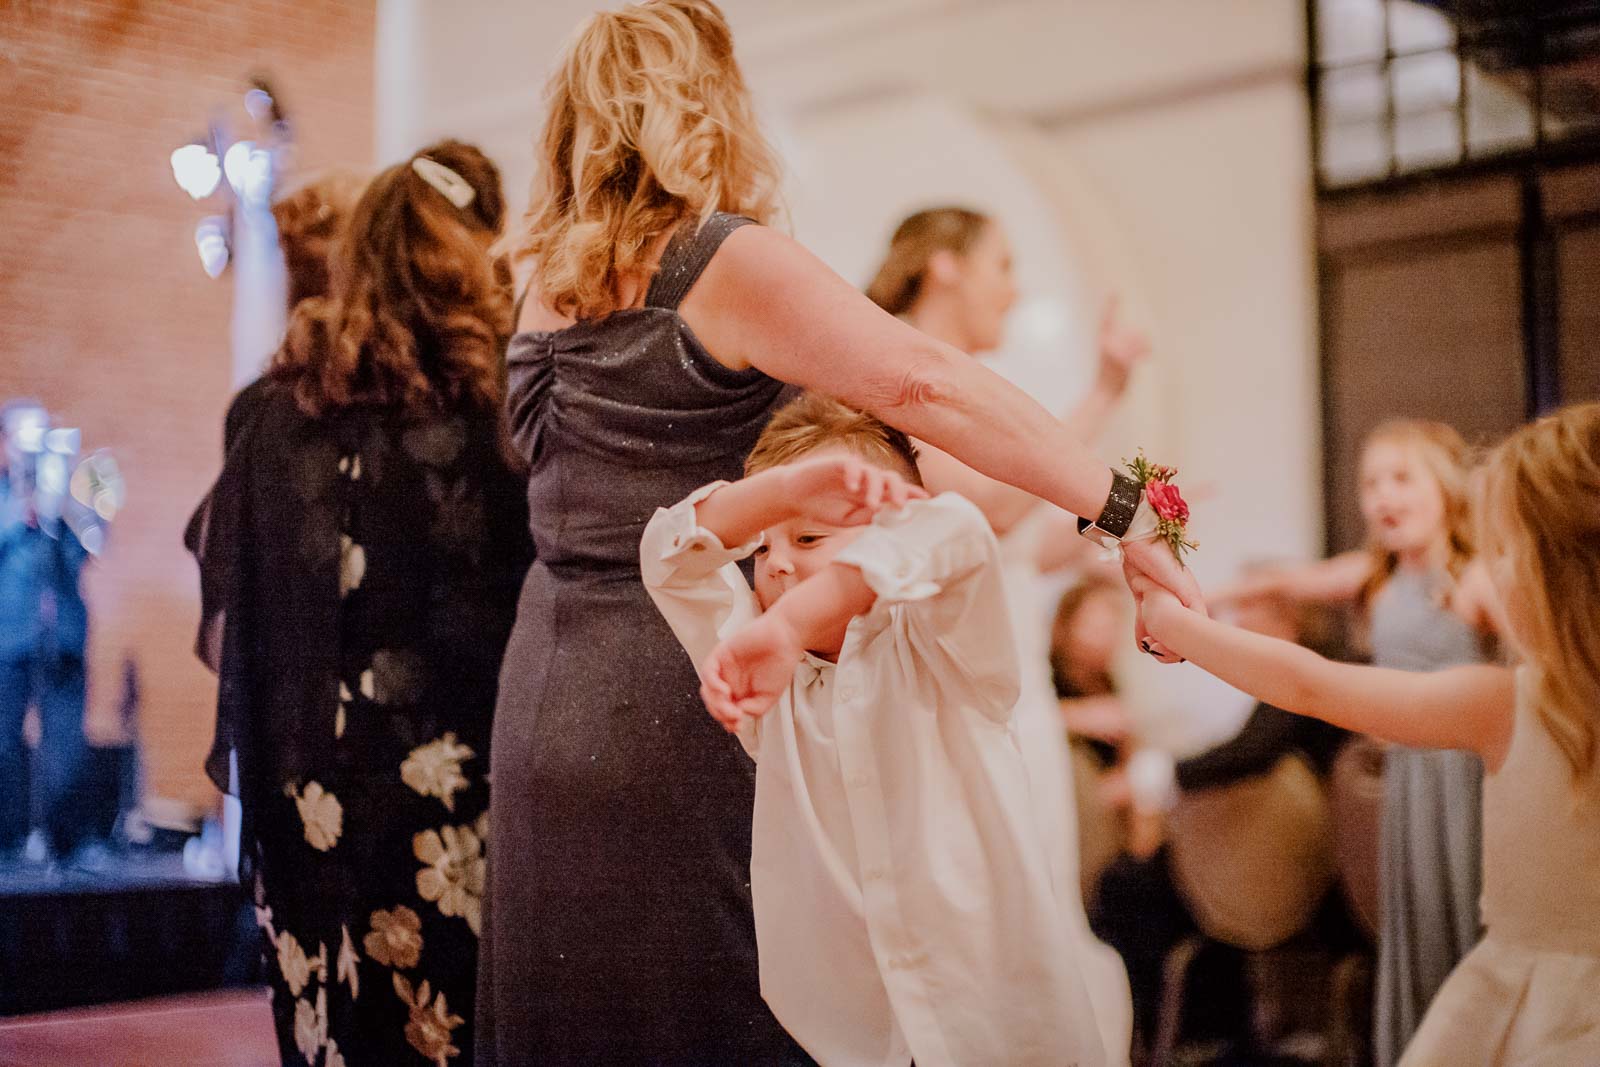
[(1426, 606), (44, 633), (360, 556), (1239, 851), (948, 272)]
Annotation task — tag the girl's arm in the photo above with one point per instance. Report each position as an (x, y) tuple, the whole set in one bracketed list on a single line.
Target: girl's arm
[(764, 301), (1476, 601), (1330, 581), (1465, 707)]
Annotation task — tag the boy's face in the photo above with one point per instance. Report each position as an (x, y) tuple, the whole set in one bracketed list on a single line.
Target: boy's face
[(794, 550)]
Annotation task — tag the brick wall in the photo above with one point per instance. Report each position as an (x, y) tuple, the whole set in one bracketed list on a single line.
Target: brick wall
[(105, 314)]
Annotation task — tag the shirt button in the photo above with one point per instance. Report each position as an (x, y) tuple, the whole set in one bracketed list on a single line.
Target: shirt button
[(698, 546), (847, 692)]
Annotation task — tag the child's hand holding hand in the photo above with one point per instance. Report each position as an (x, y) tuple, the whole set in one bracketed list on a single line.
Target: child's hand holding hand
[(842, 490), (747, 672), (1155, 603)]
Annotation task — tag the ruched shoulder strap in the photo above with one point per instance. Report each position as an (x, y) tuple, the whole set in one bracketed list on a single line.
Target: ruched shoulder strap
[(686, 257)]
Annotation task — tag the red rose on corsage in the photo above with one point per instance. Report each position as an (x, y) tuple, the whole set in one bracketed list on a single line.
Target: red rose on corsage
[(1167, 501), (1172, 513)]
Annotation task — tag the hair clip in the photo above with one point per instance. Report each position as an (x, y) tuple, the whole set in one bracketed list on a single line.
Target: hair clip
[(451, 185)]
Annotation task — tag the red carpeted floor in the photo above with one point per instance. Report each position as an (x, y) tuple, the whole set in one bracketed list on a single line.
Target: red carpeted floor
[(225, 1029)]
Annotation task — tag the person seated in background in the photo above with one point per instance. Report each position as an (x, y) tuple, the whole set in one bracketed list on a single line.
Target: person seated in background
[(904, 904), (1239, 852)]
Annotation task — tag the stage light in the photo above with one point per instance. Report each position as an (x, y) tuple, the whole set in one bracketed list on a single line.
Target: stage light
[(195, 168), (63, 441), (211, 241), (258, 102), (28, 432), (249, 171)]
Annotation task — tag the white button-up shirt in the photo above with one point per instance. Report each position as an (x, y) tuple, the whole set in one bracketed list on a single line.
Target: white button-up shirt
[(903, 899)]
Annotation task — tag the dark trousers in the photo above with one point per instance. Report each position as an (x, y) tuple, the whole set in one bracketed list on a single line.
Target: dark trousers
[(55, 685), (1139, 912)]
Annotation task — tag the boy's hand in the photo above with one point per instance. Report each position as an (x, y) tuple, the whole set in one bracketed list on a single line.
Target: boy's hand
[(845, 491), (747, 672)]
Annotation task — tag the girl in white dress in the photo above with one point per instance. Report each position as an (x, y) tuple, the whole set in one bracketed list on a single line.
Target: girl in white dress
[(1529, 993)]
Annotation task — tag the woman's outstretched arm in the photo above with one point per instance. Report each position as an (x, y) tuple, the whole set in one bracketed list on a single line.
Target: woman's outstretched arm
[(1120, 350), (765, 301)]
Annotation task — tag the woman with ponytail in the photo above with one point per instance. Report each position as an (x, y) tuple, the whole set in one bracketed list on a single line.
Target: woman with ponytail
[(947, 272)]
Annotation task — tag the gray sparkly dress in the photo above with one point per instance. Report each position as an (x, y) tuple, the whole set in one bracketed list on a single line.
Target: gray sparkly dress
[(619, 927), (1431, 849)]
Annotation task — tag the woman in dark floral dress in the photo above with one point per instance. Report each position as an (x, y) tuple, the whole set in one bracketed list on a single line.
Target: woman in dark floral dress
[(360, 558)]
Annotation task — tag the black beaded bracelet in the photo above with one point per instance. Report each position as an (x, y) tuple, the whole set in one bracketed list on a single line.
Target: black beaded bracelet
[(1117, 515)]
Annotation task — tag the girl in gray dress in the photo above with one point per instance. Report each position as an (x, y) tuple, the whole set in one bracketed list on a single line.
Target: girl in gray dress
[(1427, 608), (657, 336)]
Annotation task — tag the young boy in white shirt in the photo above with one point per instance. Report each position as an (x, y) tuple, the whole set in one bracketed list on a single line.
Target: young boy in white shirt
[(903, 901)]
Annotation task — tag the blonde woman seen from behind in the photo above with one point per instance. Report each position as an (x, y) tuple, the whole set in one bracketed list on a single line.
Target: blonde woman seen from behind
[(661, 325)]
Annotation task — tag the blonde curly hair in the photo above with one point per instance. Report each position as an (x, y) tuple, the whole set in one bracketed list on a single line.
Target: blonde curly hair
[(649, 124)]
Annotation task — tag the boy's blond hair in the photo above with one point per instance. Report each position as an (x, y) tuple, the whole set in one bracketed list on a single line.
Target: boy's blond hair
[(812, 421), (1542, 507)]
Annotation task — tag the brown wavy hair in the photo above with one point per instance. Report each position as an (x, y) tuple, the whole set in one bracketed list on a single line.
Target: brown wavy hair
[(1447, 457), (311, 217), (649, 124), (418, 309), (1542, 509), (898, 283)]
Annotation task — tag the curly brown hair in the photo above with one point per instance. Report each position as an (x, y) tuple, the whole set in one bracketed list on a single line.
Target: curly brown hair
[(418, 309), (311, 217)]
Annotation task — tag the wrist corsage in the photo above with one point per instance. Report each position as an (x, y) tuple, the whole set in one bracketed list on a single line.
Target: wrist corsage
[(1166, 505)]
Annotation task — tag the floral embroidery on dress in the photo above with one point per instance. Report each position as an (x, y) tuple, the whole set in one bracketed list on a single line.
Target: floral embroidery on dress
[(340, 716), (352, 565), (454, 875), (311, 1026), (335, 1057), (322, 815), (349, 963), (396, 938), (296, 967), (431, 1025), (434, 769)]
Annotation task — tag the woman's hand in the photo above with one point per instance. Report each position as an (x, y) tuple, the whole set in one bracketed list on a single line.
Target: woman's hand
[(1150, 566), (844, 490), (1122, 349), (747, 672)]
